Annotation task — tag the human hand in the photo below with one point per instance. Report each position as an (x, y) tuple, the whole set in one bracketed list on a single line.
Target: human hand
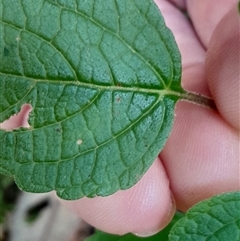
[(201, 157)]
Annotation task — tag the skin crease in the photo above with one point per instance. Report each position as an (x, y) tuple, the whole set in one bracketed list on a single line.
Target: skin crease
[(202, 155)]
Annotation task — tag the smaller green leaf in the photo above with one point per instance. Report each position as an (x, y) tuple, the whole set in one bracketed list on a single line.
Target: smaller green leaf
[(215, 219), (161, 236)]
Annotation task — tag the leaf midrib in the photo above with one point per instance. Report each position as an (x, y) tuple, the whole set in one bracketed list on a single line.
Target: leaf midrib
[(161, 92)]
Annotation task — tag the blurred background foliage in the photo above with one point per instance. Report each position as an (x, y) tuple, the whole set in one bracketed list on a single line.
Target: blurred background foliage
[(8, 195)]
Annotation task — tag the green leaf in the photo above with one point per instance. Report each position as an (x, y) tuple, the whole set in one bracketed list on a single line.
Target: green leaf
[(162, 235), (216, 219), (102, 78)]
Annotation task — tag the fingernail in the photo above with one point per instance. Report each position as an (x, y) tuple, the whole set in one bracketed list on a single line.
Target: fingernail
[(144, 235)]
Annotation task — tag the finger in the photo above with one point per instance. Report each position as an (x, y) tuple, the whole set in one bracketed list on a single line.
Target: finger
[(143, 209), (206, 14), (192, 52), (223, 67), (201, 156)]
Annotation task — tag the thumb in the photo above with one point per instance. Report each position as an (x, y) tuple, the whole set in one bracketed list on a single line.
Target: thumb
[(223, 67)]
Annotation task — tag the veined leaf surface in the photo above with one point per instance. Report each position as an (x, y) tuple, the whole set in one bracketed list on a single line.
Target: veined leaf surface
[(102, 78), (215, 219)]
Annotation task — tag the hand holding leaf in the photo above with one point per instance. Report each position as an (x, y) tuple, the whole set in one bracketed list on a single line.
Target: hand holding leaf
[(103, 104)]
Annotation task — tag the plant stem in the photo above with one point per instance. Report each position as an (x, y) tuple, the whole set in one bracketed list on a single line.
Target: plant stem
[(199, 100)]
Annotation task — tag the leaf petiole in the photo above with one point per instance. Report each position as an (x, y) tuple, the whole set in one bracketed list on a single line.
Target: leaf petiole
[(199, 99)]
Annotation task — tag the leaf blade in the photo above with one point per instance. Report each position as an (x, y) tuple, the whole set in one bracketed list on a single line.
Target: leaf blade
[(102, 104), (217, 218)]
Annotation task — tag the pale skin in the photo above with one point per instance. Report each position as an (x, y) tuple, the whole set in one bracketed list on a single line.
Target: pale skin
[(202, 155)]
